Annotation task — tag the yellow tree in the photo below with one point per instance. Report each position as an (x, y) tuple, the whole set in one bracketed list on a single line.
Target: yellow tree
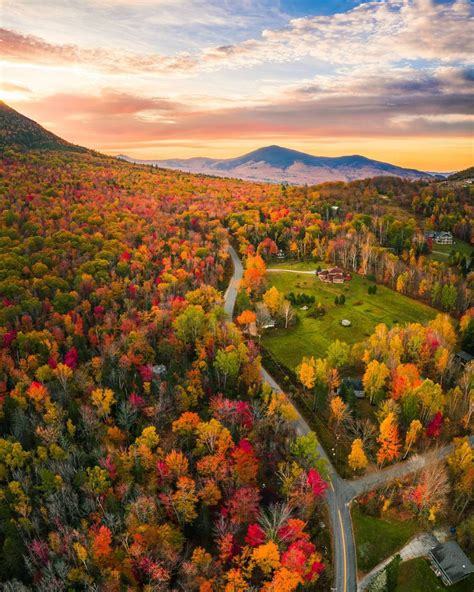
[(339, 411), (273, 299), (374, 379), (357, 458), (389, 440), (254, 276), (462, 458), (306, 372), (103, 399), (412, 435)]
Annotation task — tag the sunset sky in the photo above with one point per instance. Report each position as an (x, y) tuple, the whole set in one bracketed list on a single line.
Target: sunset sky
[(391, 80)]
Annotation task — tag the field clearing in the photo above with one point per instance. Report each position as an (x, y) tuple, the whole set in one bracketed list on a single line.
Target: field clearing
[(312, 336), (377, 538), (441, 252)]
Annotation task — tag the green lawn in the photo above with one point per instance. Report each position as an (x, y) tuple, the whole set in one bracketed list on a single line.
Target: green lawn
[(378, 539), (313, 336), (416, 576), (298, 265), (441, 252)]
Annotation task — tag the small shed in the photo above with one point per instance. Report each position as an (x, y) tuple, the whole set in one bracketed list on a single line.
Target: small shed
[(450, 563)]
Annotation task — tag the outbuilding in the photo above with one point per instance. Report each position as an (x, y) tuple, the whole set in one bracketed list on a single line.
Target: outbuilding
[(463, 357)]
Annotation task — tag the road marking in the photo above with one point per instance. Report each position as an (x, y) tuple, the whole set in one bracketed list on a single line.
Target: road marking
[(343, 535), (330, 483)]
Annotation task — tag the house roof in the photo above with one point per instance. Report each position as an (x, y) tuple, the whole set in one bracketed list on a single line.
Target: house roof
[(452, 560), (355, 383), (464, 356)]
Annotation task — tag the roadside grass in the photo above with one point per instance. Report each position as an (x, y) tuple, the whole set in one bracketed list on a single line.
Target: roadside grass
[(441, 252), (416, 575), (313, 336), (377, 539)]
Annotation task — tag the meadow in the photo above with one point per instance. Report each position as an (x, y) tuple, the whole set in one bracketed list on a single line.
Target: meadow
[(312, 336), (441, 252)]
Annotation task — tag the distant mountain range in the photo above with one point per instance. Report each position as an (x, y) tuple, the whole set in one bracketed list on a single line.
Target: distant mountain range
[(275, 164), (272, 164), (25, 134)]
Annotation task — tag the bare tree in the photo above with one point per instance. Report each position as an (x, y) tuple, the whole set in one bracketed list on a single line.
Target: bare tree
[(287, 313)]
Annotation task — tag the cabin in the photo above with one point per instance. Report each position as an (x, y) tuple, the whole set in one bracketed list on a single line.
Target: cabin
[(450, 563)]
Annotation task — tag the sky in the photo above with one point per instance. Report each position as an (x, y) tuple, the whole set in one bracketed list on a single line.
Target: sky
[(389, 79)]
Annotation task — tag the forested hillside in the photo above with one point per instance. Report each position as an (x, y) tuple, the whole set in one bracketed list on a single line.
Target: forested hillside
[(138, 446)]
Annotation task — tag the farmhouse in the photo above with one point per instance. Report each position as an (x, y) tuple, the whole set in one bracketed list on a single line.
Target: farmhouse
[(450, 563), (444, 238), (441, 238), (334, 275)]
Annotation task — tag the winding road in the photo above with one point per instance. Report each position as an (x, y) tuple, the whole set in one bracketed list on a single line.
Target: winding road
[(338, 493), (341, 491)]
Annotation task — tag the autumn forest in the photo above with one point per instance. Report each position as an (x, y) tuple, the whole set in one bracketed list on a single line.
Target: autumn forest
[(140, 448)]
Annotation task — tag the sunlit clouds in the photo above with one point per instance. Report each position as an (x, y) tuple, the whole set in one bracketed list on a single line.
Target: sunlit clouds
[(186, 78)]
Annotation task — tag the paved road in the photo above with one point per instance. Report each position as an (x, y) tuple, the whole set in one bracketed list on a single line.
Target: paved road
[(401, 469), (341, 524), (338, 494), (341, 492), (233, 287)]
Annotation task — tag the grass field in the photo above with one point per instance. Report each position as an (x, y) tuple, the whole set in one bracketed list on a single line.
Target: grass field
[(313, 336), (441, 252), (416, 576), (378, 539)]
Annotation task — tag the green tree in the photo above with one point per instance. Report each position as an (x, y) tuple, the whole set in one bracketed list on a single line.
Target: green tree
[(191, 324), (226, 364), (449, 296), (338, 354)]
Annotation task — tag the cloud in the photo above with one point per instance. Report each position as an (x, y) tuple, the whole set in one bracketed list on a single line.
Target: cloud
[(16, 88), (384, 109), (372, 33), (16, 47)]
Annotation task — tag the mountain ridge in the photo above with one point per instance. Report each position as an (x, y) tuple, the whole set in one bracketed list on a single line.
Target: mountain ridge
[(22, 132), (277, 164)]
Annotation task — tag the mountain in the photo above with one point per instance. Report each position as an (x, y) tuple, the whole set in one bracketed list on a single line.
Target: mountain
[(275, 164), (25, 134)]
